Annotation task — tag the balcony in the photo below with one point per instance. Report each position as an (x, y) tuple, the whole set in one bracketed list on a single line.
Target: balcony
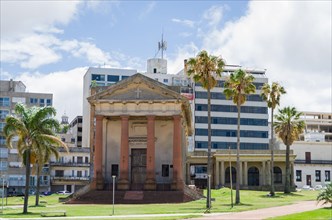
[(329, 162), (75, 149), (70, 178), (69, 164)]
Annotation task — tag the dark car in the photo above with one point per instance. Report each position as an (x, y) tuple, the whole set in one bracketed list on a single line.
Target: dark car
[(10, 194), (47, 193)]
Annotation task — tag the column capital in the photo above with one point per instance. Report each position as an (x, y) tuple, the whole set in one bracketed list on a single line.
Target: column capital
[(124, 117), (176, 117), (150, 117), (99, 117)]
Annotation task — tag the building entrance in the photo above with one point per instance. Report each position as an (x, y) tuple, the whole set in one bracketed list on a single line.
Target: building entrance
[(138, 168)]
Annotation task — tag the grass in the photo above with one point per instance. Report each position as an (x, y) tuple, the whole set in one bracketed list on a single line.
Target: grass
[(250, 200), (318, 214)]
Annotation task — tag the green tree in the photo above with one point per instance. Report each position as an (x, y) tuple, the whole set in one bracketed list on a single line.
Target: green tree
[(34, 129), (326, 195), (238, 85), (288, 126), (206, 69), (271, 94)]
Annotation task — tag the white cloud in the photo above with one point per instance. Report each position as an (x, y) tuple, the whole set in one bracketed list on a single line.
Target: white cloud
[(19, 18), (66, 87), (214, 15), (291, 39), (184, 22), (147, 10)]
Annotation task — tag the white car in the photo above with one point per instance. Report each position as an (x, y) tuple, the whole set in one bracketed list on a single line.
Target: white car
[(63, 192), (306, 187)]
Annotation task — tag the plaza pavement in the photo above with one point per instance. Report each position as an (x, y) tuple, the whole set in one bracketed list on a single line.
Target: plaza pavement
[(258, 214)]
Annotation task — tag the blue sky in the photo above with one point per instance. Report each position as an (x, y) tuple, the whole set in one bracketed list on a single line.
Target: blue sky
[(49, 45)]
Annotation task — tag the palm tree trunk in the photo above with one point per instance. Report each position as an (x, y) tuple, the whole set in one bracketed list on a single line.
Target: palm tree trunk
[(208, 199), (238, 174), (272, 193), (27, 182), (287, 177), (38, 185)]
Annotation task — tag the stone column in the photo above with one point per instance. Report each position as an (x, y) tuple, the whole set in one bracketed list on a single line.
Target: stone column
[(217, 174), (241, 176), (150, 182), (263, 174), (222, 173), (178, 183), (123, 183), (245, 172), (98, 176)]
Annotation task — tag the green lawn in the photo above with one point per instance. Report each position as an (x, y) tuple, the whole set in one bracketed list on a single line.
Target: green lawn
[(250, 200), (319, 214)]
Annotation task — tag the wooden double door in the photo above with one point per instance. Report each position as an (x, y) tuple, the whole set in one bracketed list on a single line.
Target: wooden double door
[(138, 168)]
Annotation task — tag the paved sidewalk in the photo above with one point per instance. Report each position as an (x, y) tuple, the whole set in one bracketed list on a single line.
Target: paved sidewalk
[(260, 214)]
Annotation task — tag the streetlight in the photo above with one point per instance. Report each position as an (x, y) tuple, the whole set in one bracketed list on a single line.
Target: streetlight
[(3, 189), (113, 177)]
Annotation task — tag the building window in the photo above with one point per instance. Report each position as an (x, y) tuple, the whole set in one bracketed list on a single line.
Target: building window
[(79, 173), (112, 78), (48, 102), (298, 175), (72, 140), (307, 157), (4, 101), (154, 70), (59, 173), (327, 176), (124, 77), (86, 159), (165, 80), (2, 125), (79, 159), (277, 175), (317, 175), (165, 170), (3, 114), (98, 77), (41, 102), (63, 139), (115, 170), (33, 101)]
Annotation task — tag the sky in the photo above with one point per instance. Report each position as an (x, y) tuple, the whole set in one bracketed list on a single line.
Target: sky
[(48, 45)]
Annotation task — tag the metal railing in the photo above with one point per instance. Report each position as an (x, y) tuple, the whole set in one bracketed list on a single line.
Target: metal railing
[(69, 164)]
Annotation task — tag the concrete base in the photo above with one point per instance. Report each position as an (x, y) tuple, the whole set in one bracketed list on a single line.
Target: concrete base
[(123, 184), (150, 185), (177, 185)]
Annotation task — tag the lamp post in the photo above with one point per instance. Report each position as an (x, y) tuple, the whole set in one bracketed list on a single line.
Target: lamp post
[(113, 177), (3, 189)]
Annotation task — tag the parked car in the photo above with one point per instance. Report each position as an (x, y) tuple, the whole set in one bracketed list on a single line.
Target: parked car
[(307, 187), (63, 192), (318, 187), (47, 193), (14, 193)]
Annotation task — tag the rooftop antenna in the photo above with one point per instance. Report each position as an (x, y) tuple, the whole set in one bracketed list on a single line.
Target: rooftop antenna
[(162, 45)]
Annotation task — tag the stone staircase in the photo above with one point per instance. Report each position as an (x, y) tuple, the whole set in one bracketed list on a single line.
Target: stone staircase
[(132, 197)]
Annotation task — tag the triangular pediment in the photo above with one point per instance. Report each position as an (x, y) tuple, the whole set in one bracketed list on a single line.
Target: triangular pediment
[(137, 88)]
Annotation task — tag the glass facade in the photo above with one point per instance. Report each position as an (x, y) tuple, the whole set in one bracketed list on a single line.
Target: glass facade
[(232, 108), (4, 101), (231, 121), (221, 96), (231, 133), (226, 145), (98, 77), (113, 78), (3, 114)]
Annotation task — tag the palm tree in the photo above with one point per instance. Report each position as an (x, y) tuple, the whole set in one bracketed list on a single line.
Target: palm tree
[(33, 127), (288, 126), (238, 86), (205, 69), (326, 195), (271, 94)]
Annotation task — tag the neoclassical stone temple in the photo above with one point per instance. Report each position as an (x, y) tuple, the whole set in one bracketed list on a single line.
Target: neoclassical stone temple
[(139, 134)]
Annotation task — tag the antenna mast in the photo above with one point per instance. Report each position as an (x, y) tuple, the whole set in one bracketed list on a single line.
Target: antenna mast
[(162, 45)]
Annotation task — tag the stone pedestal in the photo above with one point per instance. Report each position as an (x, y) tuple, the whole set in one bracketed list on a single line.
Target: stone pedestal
[(123, 184), (150, 184)]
